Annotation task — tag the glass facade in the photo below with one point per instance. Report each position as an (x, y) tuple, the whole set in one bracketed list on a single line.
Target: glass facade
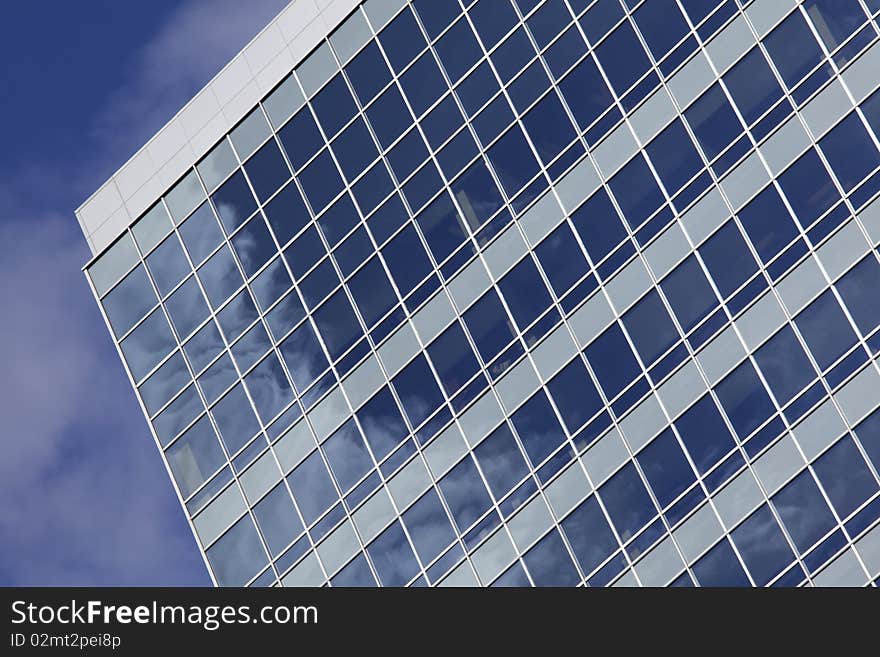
[(528, 292)]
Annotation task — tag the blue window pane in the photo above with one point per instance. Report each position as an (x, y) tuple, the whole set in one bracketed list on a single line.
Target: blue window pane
[(768, 223), (301, 138), (689, 294), (372, 292), (407, 260), (441, 122), (845, 477), (253, 245), (187, 308), (418, 391), (850, 151), (393, 557), (868, 433), (501, 461), (477, 194), (312, 487), (287, 214), (354, 149), (478, 87), (548, 21), (355, 574), (423, 83), (513, 161), (636, 191), (277, 519), (465, 493), (763, 546), (650, 328), (599, 18), (662, 25), (321, 181), (251, 347), (402, 40), (368, 73), (549, 127), (382, 423), (353, 251), (512, 55), (267, 170), (217, 378), (513, 577), (195, 456), (269, 388), (304, 357), (428, 526), (388, 116), (793, 49), (586, 93), (825, 329), (129, 300), (442, 227), (489, 326), (164, 383), (339, 219), (785, 365), (348, 456), (337, 324), (752, 85), (167, 265), (538, 428), (387, 219), (271, 284), (674, 157), (623, 58), (238, 555), (728, 259), (319, 283), (458, 50), (744, 399), (235, 419), (525, 293), (234, 202), (589, 535), (237, 315), (561, 259), (803, 511), (492, 19), (565, 52), (598, 225), (334, 105), (704, 434), (699, 9), (720, 567), (220, 277), (666, 468), (453, 358), (305, 251), (713, 121), (436, 15), (407, 155), (835, 20), (858, 289), (612, 361), (627, 502), (146, 345), (285, 315), (575, 395), (203, 346), (808, 187), (200, 233), (422, 186), (549, 563)]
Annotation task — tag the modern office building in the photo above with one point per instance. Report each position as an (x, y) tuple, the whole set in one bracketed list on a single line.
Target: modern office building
[(516, 292)]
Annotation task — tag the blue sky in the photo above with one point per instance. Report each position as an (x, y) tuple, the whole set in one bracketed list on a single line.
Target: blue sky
[(85, 498)]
